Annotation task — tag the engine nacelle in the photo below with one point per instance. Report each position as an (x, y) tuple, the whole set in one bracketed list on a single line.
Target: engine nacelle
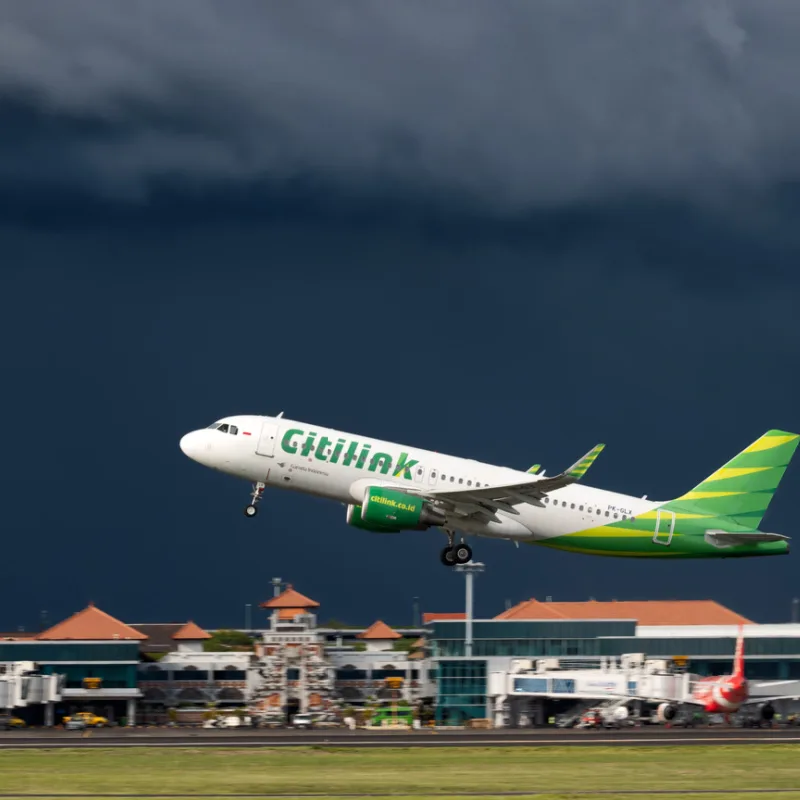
[(354, 519), (767, 712), (666, 712), (386, 507), (621, 713)]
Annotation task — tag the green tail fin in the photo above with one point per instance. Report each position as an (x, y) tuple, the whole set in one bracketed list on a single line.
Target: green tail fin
[(742, 489)]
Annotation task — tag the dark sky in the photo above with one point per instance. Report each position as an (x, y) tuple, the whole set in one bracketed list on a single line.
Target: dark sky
[(505, 231)]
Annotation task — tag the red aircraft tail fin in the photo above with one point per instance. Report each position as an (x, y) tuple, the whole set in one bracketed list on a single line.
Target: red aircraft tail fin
[(738, 660)]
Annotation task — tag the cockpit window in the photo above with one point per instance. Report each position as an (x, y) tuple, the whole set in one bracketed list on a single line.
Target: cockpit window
[(223, 427)]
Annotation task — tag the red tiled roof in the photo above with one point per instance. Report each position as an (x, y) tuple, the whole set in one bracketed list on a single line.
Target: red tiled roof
[(432, 616), (532, 609), (289, 598), (645, 612), (191, 632), (379, 630), (91, 624), (290, 613)]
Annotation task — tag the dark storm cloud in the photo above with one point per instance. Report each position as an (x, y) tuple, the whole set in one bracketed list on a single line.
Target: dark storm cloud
[(505, 103), (256, 278)]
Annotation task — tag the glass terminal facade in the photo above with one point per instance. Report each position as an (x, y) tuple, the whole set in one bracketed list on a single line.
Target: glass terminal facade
[(80, 661), (461, 685)]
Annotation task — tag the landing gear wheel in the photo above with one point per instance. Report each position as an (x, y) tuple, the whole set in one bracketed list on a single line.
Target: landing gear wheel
[(258, 490), (462, 553), (448, 557)]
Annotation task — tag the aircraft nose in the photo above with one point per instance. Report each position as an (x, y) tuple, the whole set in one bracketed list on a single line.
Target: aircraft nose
[(192, 445)]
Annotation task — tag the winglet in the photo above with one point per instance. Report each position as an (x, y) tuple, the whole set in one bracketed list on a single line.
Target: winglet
[(578, 469), (534, 469)]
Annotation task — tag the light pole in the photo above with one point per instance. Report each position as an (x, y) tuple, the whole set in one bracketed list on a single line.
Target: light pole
[(247, 620), (470, 569), (276, 586)]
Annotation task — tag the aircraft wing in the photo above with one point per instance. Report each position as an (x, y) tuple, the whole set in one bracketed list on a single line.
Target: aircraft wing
[(769, 698), (726, 539), (760, 700), (503, 497)]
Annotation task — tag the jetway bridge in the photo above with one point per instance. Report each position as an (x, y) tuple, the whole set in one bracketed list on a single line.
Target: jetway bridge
[(532, 689), (629, 676)]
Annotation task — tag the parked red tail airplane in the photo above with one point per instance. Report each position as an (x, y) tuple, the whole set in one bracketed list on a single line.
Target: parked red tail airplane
[(722, 694)]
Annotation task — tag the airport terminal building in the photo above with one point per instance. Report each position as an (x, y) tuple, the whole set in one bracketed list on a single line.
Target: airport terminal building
[(506, 668), (699, 637), (95, 657)]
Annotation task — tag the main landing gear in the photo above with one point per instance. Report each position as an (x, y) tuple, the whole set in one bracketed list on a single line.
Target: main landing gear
[(252, 509), (455, 553)]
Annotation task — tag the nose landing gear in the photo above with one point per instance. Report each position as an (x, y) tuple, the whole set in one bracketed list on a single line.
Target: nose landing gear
[(455, 553), (252, 509)]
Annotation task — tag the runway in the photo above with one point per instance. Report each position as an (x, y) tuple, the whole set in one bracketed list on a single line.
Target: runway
[(637, 737)]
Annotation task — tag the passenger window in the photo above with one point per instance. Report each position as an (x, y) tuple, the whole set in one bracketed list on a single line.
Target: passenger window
[(572, 505), (444, 477), (469, 483), (234, 430), (223, 428), (606, 513), (616, 516), (547, 499), (452, 478), (461, 480), (624, 516), (419, 471), (580, 508)]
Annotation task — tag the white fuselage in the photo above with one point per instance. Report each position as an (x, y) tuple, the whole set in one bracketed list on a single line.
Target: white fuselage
[(329, 463)]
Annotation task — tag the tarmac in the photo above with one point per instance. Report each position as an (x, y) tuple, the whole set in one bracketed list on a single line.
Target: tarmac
[(165, 737)]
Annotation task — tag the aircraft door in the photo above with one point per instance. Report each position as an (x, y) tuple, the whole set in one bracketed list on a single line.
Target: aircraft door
[(665, 527), (266, 439), (419, 473)]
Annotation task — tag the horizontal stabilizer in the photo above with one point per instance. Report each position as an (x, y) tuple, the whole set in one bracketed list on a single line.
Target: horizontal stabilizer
[(726, 539)]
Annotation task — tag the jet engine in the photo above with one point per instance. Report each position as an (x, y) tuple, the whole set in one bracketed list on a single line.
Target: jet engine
[(354, 519), (621, 713), (666, 712), (388, 510), (767, 712)]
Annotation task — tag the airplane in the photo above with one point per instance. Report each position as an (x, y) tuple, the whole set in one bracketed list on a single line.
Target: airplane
[(389, 488), (722, 694)]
